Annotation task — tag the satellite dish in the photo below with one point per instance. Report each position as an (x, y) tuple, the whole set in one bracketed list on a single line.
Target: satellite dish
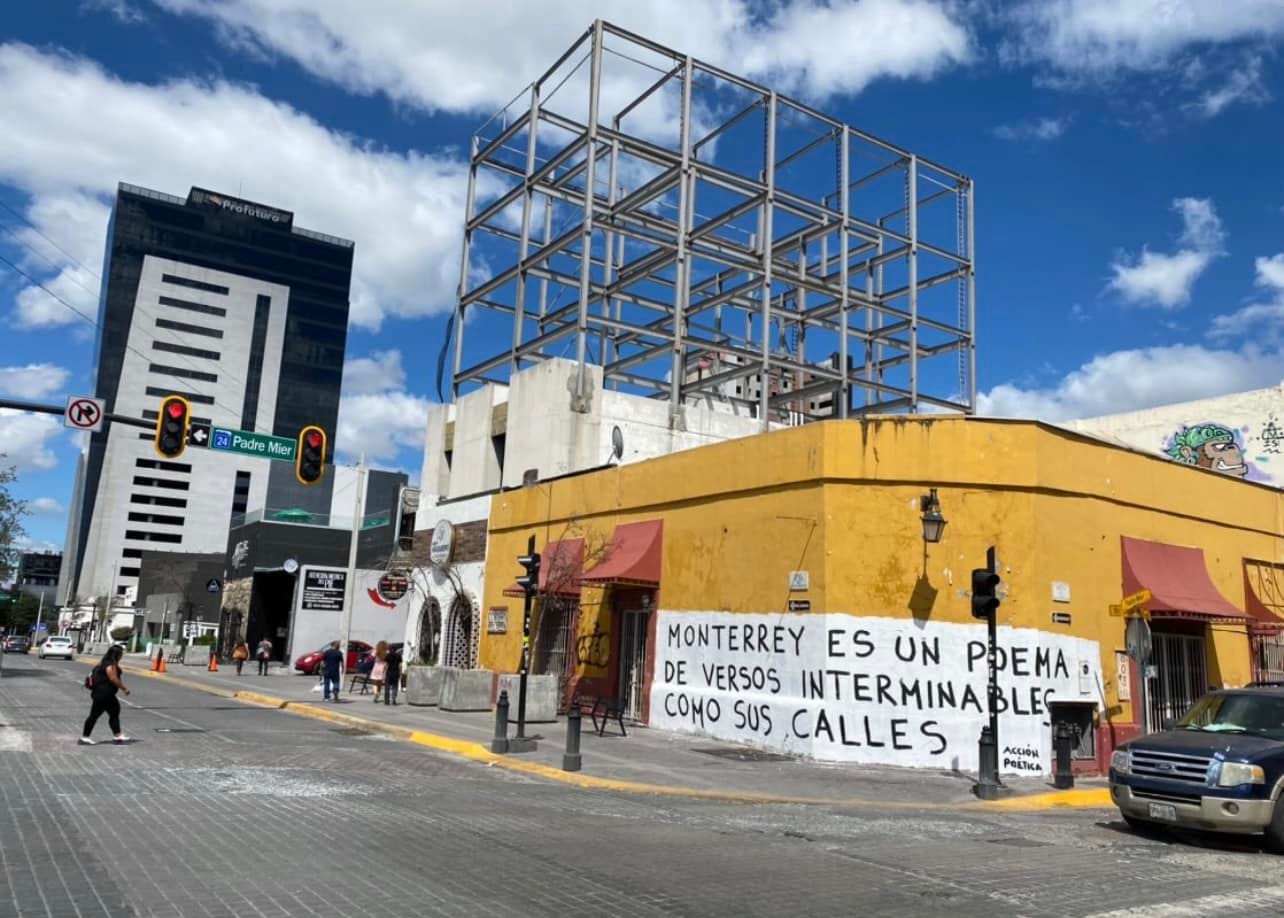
[(617, 443)]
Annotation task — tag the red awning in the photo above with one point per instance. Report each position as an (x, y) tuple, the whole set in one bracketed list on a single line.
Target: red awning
[(1177, 579), (632, 556), (561, 568), (1270, 581)]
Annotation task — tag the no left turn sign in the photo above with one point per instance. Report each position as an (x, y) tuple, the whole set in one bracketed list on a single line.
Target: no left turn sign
[(83, 413)]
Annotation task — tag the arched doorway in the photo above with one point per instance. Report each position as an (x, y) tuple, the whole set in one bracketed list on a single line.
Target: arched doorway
[(429, 647), (459, 634)]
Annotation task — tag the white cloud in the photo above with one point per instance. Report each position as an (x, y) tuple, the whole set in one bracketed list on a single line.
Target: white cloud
[(402, 208), (476, 56), (25, 439), (1102, 36), (123, 11), (1038, 129), (380, 372), (48, 505), (382, 424), (375, 413), (1131, 380), (1263, 322), (67, 234), (1166, 280), (1244, 84), (35, 380)]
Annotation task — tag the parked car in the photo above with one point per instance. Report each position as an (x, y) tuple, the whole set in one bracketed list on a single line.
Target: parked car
[(310, 663), (1221, 768), (16, 643), (57, 646)]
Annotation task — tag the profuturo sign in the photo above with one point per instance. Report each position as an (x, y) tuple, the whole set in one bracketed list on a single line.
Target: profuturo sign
[(851, 688), (242, 208)]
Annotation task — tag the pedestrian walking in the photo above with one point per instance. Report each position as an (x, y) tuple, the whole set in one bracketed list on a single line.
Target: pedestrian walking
[(104, 682), (392, 676), (240, 654), (332, 670), (380, 670), (264, 655)]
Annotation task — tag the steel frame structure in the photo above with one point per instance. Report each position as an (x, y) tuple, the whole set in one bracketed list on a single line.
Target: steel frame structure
[(817, 244)]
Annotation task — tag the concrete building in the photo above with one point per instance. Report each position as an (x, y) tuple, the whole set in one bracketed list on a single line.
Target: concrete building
[(777, 590), (37, 575), (1241, 435), (229, 304)]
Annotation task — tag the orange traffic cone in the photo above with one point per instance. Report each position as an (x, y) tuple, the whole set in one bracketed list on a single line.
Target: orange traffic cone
[(156, 660), (161, 660), (213, 663)]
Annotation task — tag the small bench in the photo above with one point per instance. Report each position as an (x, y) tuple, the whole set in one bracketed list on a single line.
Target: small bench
[(601, 711), (361, 679)]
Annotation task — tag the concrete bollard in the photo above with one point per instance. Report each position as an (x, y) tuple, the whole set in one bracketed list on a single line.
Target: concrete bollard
[(571, 758), (499, 745)]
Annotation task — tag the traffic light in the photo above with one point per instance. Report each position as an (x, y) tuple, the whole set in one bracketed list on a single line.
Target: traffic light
[(309, 458), (171, 426), (529, 581), (985, 599)]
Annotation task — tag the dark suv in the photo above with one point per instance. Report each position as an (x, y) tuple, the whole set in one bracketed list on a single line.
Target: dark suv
[(1221, 768)]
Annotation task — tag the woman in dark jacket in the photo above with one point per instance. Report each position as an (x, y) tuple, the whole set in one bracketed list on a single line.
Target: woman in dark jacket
[(392, 676), (105, 681)]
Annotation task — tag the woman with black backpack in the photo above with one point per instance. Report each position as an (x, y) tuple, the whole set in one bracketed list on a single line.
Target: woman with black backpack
[(103, 683)]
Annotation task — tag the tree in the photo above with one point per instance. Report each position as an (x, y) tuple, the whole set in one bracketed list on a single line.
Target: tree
[(12, 511)]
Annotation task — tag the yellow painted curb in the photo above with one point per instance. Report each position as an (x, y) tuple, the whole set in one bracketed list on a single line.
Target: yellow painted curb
[(1078, 798), (1081, 798)]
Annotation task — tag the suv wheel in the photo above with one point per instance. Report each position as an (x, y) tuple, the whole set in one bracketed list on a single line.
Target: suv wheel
[(1275, 830)]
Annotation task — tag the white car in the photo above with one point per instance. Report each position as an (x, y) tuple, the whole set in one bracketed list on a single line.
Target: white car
[(57, 647)]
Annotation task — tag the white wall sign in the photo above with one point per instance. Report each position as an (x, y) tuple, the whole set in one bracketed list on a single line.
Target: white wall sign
[(862, 689), (1123, 675), (1060, 591), (799, 581), (443, 543)]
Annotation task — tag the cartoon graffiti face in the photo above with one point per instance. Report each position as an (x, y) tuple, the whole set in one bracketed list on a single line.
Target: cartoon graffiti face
[(1222, 456), (1209, 446)]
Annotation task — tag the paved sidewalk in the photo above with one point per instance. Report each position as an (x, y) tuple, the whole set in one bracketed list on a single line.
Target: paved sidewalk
[(646, 761)]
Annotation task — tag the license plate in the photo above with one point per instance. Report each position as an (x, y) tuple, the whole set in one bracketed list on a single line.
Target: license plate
[(1163, 811)]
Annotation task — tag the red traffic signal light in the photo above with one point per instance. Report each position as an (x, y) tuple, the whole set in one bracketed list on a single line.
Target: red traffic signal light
[(309, 458), (172, 423)]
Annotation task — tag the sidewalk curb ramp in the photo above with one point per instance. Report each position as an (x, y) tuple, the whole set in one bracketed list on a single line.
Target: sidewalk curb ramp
[(1079, 798)]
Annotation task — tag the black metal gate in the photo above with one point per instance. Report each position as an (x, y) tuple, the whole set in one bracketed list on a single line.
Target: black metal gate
[(633, 653), (1181, 665)]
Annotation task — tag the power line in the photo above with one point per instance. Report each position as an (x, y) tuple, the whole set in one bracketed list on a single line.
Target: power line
[(188, 385)]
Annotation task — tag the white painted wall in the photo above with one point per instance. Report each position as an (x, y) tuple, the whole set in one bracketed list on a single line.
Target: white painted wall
[(372, 619), (1256, 419), (886, 683)]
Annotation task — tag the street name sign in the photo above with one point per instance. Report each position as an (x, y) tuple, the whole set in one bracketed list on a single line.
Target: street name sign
[(253, 444), (1128, 603)]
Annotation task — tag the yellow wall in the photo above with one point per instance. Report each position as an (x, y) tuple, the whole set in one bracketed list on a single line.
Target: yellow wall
[(840, 499)]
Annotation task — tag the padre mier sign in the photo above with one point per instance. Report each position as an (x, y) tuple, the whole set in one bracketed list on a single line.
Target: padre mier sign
[(864, 689)]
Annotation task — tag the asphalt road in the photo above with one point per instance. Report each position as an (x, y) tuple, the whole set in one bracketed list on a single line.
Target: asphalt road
[(227, 809)]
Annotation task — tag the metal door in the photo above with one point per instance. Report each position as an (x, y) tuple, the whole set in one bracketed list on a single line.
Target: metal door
[(1181, 676), (633, 635), (553, 642), (1268, 657)]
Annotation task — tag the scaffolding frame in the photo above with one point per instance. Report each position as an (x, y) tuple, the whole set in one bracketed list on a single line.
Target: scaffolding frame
[(658, 286)]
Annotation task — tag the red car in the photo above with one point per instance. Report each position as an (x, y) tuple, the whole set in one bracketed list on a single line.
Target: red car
[(310, 663)]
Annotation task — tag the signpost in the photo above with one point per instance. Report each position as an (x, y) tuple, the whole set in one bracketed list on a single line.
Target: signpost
[(84, 413), (252, 444), (1128, 603)]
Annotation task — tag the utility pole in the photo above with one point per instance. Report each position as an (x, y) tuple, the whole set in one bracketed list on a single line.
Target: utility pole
[(350, 582), (40, 611)]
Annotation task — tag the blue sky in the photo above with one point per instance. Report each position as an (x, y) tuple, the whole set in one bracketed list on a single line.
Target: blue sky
[(1127, 155)]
